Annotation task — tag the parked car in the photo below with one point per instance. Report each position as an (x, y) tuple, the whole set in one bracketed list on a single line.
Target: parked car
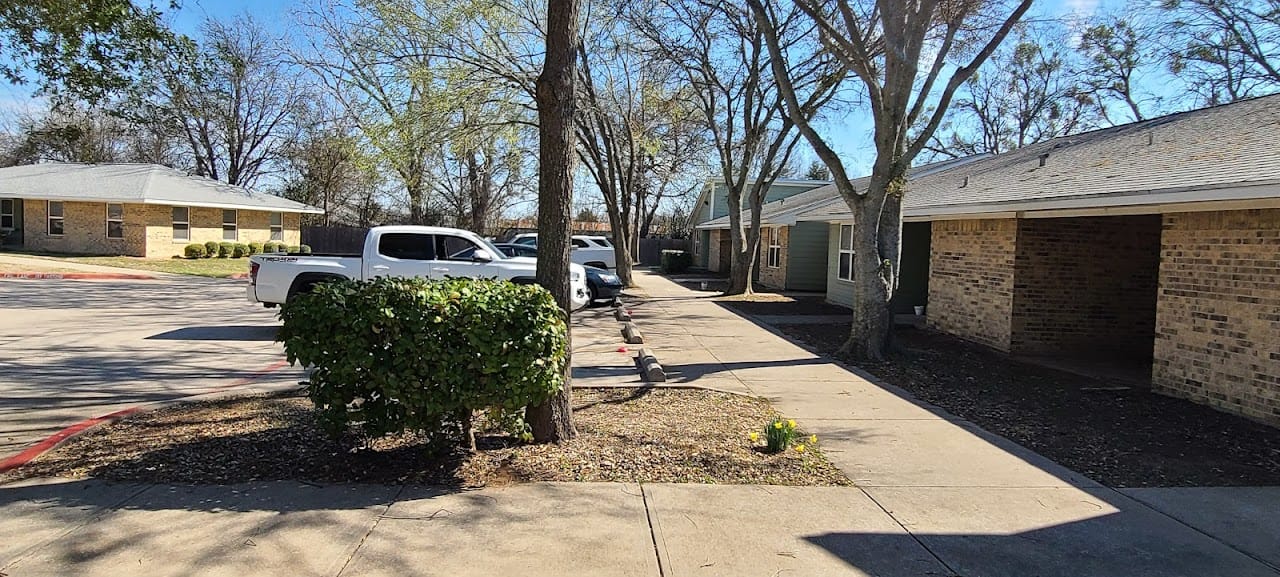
[(602, 284), (587, 250), (410, 251)]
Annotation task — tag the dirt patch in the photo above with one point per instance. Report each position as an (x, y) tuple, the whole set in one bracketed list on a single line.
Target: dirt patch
[(653, 435), (1122, 438), (783, 305)]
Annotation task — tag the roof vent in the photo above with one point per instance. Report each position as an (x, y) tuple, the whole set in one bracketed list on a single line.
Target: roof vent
[(1151, 138), (1044, 158), (965, 183)]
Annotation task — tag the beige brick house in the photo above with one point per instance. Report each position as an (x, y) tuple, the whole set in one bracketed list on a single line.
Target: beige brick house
[(140, 210), (1149, 251)]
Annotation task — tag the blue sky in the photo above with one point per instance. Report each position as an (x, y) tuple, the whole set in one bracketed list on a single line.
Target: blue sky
[(849, 134)]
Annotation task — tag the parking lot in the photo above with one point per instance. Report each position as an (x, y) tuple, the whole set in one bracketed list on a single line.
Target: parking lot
[(72, 350)]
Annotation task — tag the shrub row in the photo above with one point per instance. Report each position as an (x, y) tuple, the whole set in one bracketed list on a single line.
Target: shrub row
[(397, 354), (213, 249)]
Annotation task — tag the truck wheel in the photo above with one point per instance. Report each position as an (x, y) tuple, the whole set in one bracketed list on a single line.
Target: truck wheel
[(594, 295)]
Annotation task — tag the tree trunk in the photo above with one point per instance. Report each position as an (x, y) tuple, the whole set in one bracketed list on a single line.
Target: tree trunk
[(869, 332), (552, 421)]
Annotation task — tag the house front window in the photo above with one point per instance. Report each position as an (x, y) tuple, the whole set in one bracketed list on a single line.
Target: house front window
[(277, 226), (6, 213), (181, 224), (774, 257), (229, 227), (845, 256), (115, 220), (55, 213)]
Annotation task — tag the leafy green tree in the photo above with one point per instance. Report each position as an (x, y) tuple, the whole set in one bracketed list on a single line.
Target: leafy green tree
[(1117, 50), (1224, 50)]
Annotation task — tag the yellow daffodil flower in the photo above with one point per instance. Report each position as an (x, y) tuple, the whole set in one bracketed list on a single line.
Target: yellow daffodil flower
[(777, 425), (799, 448), (813, 439), (791, 423), (754, 436)]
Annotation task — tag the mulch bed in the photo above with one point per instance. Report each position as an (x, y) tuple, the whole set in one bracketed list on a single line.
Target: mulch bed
[(636, 435), (784, 305), (1122, 438)]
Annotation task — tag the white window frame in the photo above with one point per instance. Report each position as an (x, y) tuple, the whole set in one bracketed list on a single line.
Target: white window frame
[(773, 256), (49, 218), (13, 209), (235, 225), (119, 220), (174, 223), (843, 250), (275, 223)]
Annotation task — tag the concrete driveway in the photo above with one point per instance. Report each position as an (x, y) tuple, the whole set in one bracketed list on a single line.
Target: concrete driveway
[(71, 350)]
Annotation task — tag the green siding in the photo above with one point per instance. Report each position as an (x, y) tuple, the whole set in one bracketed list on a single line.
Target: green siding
[(838, 291), (913, 284), (704, 240), (720, 206), (807, 257)]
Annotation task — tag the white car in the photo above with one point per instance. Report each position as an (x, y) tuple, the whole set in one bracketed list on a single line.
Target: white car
[(596, 251), (408, 251)]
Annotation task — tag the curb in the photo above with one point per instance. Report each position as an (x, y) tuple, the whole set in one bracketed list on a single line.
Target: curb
[(49, 443), (74, 276)]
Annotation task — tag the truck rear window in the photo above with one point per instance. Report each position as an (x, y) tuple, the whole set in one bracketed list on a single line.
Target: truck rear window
[(407, 246)]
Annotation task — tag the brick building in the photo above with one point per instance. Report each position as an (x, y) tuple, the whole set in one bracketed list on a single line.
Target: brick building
[(1150, 250), (140, 210)]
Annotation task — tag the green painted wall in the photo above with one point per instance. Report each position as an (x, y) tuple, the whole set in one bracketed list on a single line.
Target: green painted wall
[(807, 257), (913, 285)]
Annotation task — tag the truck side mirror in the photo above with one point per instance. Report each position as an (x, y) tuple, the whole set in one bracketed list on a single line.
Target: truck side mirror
[(481, 255)]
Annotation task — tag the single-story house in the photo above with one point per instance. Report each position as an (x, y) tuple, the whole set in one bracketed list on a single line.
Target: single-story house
[(711, 245), (143, 210), (1152, 247)]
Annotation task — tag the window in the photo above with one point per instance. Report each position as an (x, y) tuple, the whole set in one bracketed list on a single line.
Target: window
[(846, 253), (455, 248), (229, 227), (774, 257), (407, 246), (579, 243), (55, 218), (6, 213), (277, 226), (115, 220), (181, 224)]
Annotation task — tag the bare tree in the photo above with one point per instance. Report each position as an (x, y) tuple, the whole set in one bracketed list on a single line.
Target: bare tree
[(1225, 50), (899, 51), (69, 133), (1027, 92), (1117, 49), (721, 51), (234, 100), (552, 421)]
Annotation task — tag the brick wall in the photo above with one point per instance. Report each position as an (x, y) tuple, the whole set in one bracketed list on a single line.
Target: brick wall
[(775, 278), (206, 225), (84, 227), (1086, 285), (971, 279), (1218, 311), (718, 251)]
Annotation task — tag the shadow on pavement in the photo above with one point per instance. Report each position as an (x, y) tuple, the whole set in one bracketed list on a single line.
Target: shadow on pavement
[(223, 333)]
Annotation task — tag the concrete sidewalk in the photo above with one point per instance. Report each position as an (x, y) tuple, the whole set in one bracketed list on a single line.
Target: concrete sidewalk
[(936, 496)]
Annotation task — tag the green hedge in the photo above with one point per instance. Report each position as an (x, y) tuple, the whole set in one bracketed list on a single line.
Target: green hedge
[(211, 249), (396, 354), (676, 261), (240, 250), (225, 249), (304, 249), (194, 250), (255, 248)]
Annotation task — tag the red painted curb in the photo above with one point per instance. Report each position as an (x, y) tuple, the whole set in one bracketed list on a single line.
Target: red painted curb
[(75, 276), (59, 437)]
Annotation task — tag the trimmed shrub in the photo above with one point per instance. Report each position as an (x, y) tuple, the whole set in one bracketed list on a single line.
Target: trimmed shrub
[(225, 249), (211, 249), (292, 248), (304, 249), (194, 250), (255, 248), (240, 250), (676, 261), (271, 246), (397, 354)]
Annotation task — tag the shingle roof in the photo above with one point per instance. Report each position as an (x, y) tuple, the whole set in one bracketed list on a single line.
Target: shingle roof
[(135, 183)]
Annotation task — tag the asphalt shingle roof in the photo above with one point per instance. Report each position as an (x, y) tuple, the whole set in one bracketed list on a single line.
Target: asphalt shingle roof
[(135, 183)]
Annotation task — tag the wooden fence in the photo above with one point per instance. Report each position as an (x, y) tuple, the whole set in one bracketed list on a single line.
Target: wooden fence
[(334, 239), (651, 248)]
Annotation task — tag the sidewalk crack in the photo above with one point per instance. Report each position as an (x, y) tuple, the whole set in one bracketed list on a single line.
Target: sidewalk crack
[(377, 519), (951, 570), (653, 531)]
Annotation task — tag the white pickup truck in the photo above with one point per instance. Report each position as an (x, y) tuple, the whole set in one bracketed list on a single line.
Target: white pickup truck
[(596, 251), (409, 251)]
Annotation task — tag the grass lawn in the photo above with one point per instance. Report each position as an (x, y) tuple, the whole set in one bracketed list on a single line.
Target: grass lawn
[(208, 267)]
